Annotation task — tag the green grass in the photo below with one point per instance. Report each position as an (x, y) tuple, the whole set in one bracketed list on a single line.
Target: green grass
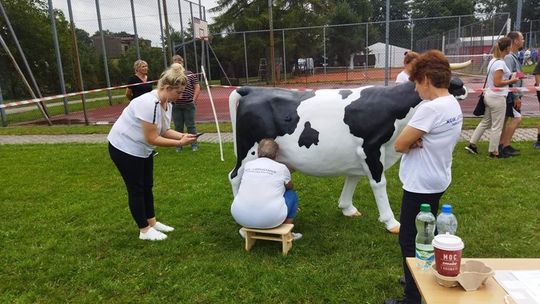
[(68, 235)]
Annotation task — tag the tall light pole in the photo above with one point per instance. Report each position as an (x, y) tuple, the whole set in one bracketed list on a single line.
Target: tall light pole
[(517, 24), (271, 26)]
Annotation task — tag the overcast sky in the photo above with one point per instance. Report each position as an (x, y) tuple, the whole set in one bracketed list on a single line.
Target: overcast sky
[(116, 15)]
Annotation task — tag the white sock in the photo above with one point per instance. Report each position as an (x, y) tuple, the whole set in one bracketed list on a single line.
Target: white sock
[(162, 227), (152, 235)]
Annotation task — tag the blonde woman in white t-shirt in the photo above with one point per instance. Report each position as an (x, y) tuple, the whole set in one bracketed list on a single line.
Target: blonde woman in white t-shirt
[(403, 76), (498, 79), (143, 125)]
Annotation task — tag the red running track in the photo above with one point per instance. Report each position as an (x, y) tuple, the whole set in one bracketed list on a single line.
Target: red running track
[(220, 95)]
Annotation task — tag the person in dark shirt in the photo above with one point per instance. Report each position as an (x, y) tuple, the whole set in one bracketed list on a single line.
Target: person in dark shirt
[(141, 75)]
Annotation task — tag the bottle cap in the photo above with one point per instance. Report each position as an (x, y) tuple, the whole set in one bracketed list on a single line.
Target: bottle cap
[(425, 208), (446, 208)]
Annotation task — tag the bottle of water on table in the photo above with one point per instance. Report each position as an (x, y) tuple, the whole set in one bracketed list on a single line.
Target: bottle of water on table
[(425, 227), (446, 221)]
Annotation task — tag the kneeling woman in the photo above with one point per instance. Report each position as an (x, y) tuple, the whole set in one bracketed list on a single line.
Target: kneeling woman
[(144, 124), (266, 198)]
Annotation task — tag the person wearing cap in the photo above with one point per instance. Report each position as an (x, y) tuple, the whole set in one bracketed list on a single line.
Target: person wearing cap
[(184, 108), (427, 143)]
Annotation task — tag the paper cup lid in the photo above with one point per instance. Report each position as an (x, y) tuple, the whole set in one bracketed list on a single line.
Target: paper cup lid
[(447, 242)]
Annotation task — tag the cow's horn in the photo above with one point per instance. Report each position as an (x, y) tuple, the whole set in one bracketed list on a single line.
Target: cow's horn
[(461, 65)]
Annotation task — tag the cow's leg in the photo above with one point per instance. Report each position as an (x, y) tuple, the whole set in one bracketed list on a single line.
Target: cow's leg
[(378, 186), (386, 215), (235, 181), (345, 200)]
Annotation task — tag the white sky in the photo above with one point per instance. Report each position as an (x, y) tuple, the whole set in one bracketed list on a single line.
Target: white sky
[(116, 15)]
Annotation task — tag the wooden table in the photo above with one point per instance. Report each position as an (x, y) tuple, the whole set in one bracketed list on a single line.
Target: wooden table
[(491, 292)]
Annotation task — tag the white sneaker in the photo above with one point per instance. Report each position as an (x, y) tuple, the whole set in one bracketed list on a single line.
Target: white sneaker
[(296, 236), (152, 235), (162, 227), (242, 233)]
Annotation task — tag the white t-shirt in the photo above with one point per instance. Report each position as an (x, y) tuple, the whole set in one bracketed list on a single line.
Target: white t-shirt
[(494, 65), (259, 202), (429, 169), (402, 77), (127, 135)]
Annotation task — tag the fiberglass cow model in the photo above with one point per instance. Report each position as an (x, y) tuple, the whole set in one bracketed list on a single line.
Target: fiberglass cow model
[(347, 132)]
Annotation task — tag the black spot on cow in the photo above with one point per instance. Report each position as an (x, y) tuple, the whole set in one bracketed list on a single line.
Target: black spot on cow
[(372, 117), (309, 136), (265, 113), (345, 93), (252, 152)]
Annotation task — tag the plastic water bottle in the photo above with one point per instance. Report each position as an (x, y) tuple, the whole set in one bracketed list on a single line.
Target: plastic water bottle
[(425, 227), (446, 221)]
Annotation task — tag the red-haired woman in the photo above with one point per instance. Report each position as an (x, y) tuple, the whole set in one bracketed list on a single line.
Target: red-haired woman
[(427, 143)]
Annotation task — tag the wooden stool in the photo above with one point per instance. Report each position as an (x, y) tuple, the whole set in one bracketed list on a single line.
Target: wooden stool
[(281, 234)]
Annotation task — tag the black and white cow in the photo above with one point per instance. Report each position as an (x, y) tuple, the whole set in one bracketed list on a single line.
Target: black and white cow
[(348, 132)]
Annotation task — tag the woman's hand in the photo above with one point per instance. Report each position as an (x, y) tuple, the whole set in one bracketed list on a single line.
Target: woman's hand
[(187, 139)]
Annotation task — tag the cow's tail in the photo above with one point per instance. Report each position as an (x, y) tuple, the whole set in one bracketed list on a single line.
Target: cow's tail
[(234, 98)]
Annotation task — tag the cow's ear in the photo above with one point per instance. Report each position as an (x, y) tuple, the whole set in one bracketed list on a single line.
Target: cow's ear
[(243, 91)]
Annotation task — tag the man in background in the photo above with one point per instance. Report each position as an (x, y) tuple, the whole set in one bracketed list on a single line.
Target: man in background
[(183, 112)]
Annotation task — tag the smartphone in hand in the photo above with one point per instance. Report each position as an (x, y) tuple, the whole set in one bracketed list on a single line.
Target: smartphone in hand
[(199, 134)]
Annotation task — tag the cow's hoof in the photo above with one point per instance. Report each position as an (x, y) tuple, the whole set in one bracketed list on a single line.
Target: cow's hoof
[(356, 214), (394, 230)]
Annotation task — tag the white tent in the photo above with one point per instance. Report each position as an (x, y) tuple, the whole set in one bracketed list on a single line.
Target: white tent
[(396, 55)]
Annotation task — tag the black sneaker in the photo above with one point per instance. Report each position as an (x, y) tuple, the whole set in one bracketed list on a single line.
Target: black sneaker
[(500, 155), (508, 150), (472, 149), (513, 149)]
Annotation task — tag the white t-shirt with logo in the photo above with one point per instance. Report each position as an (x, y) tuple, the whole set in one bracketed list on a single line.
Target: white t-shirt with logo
[(259, 202), (402, 77), (495, 65), (127, 134), (429, 169)]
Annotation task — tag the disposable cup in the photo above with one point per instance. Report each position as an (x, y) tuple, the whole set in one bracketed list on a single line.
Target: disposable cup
[(448, 249)]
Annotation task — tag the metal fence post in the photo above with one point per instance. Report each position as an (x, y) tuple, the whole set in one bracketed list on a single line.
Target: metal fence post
[(245, 57), (284, 56), (412, 35), (459, 35), (324, 48), (2, 111), (182, 34), (193, 36), (135, 30), (162, 37), (58, 58), (77, 73), (387, 42), (106, 66)]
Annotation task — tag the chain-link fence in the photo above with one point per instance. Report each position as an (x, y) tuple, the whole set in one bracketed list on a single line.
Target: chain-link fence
[(315, 56)]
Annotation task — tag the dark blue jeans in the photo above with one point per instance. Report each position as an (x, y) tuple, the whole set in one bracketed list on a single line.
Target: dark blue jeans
[(291, 200)]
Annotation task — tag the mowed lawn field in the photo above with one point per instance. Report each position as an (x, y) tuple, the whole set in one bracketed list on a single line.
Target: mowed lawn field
[(67, 234)]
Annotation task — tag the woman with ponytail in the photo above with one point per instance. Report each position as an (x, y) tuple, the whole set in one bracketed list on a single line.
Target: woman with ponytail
[(143, 125)]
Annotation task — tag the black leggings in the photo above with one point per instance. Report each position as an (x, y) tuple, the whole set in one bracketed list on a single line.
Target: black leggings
[(138, 175), (410, 207)]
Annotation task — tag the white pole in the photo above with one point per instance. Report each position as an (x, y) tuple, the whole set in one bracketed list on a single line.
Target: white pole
[(214, 111)]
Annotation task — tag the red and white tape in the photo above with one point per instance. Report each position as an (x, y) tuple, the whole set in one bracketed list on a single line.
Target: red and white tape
[(29, 101), (514, 90)]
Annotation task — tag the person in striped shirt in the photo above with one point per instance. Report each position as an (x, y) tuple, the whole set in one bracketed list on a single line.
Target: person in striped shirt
[(183, 111)]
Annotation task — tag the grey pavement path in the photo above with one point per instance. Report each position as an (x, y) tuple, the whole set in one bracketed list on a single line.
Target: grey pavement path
[(525, 134)]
